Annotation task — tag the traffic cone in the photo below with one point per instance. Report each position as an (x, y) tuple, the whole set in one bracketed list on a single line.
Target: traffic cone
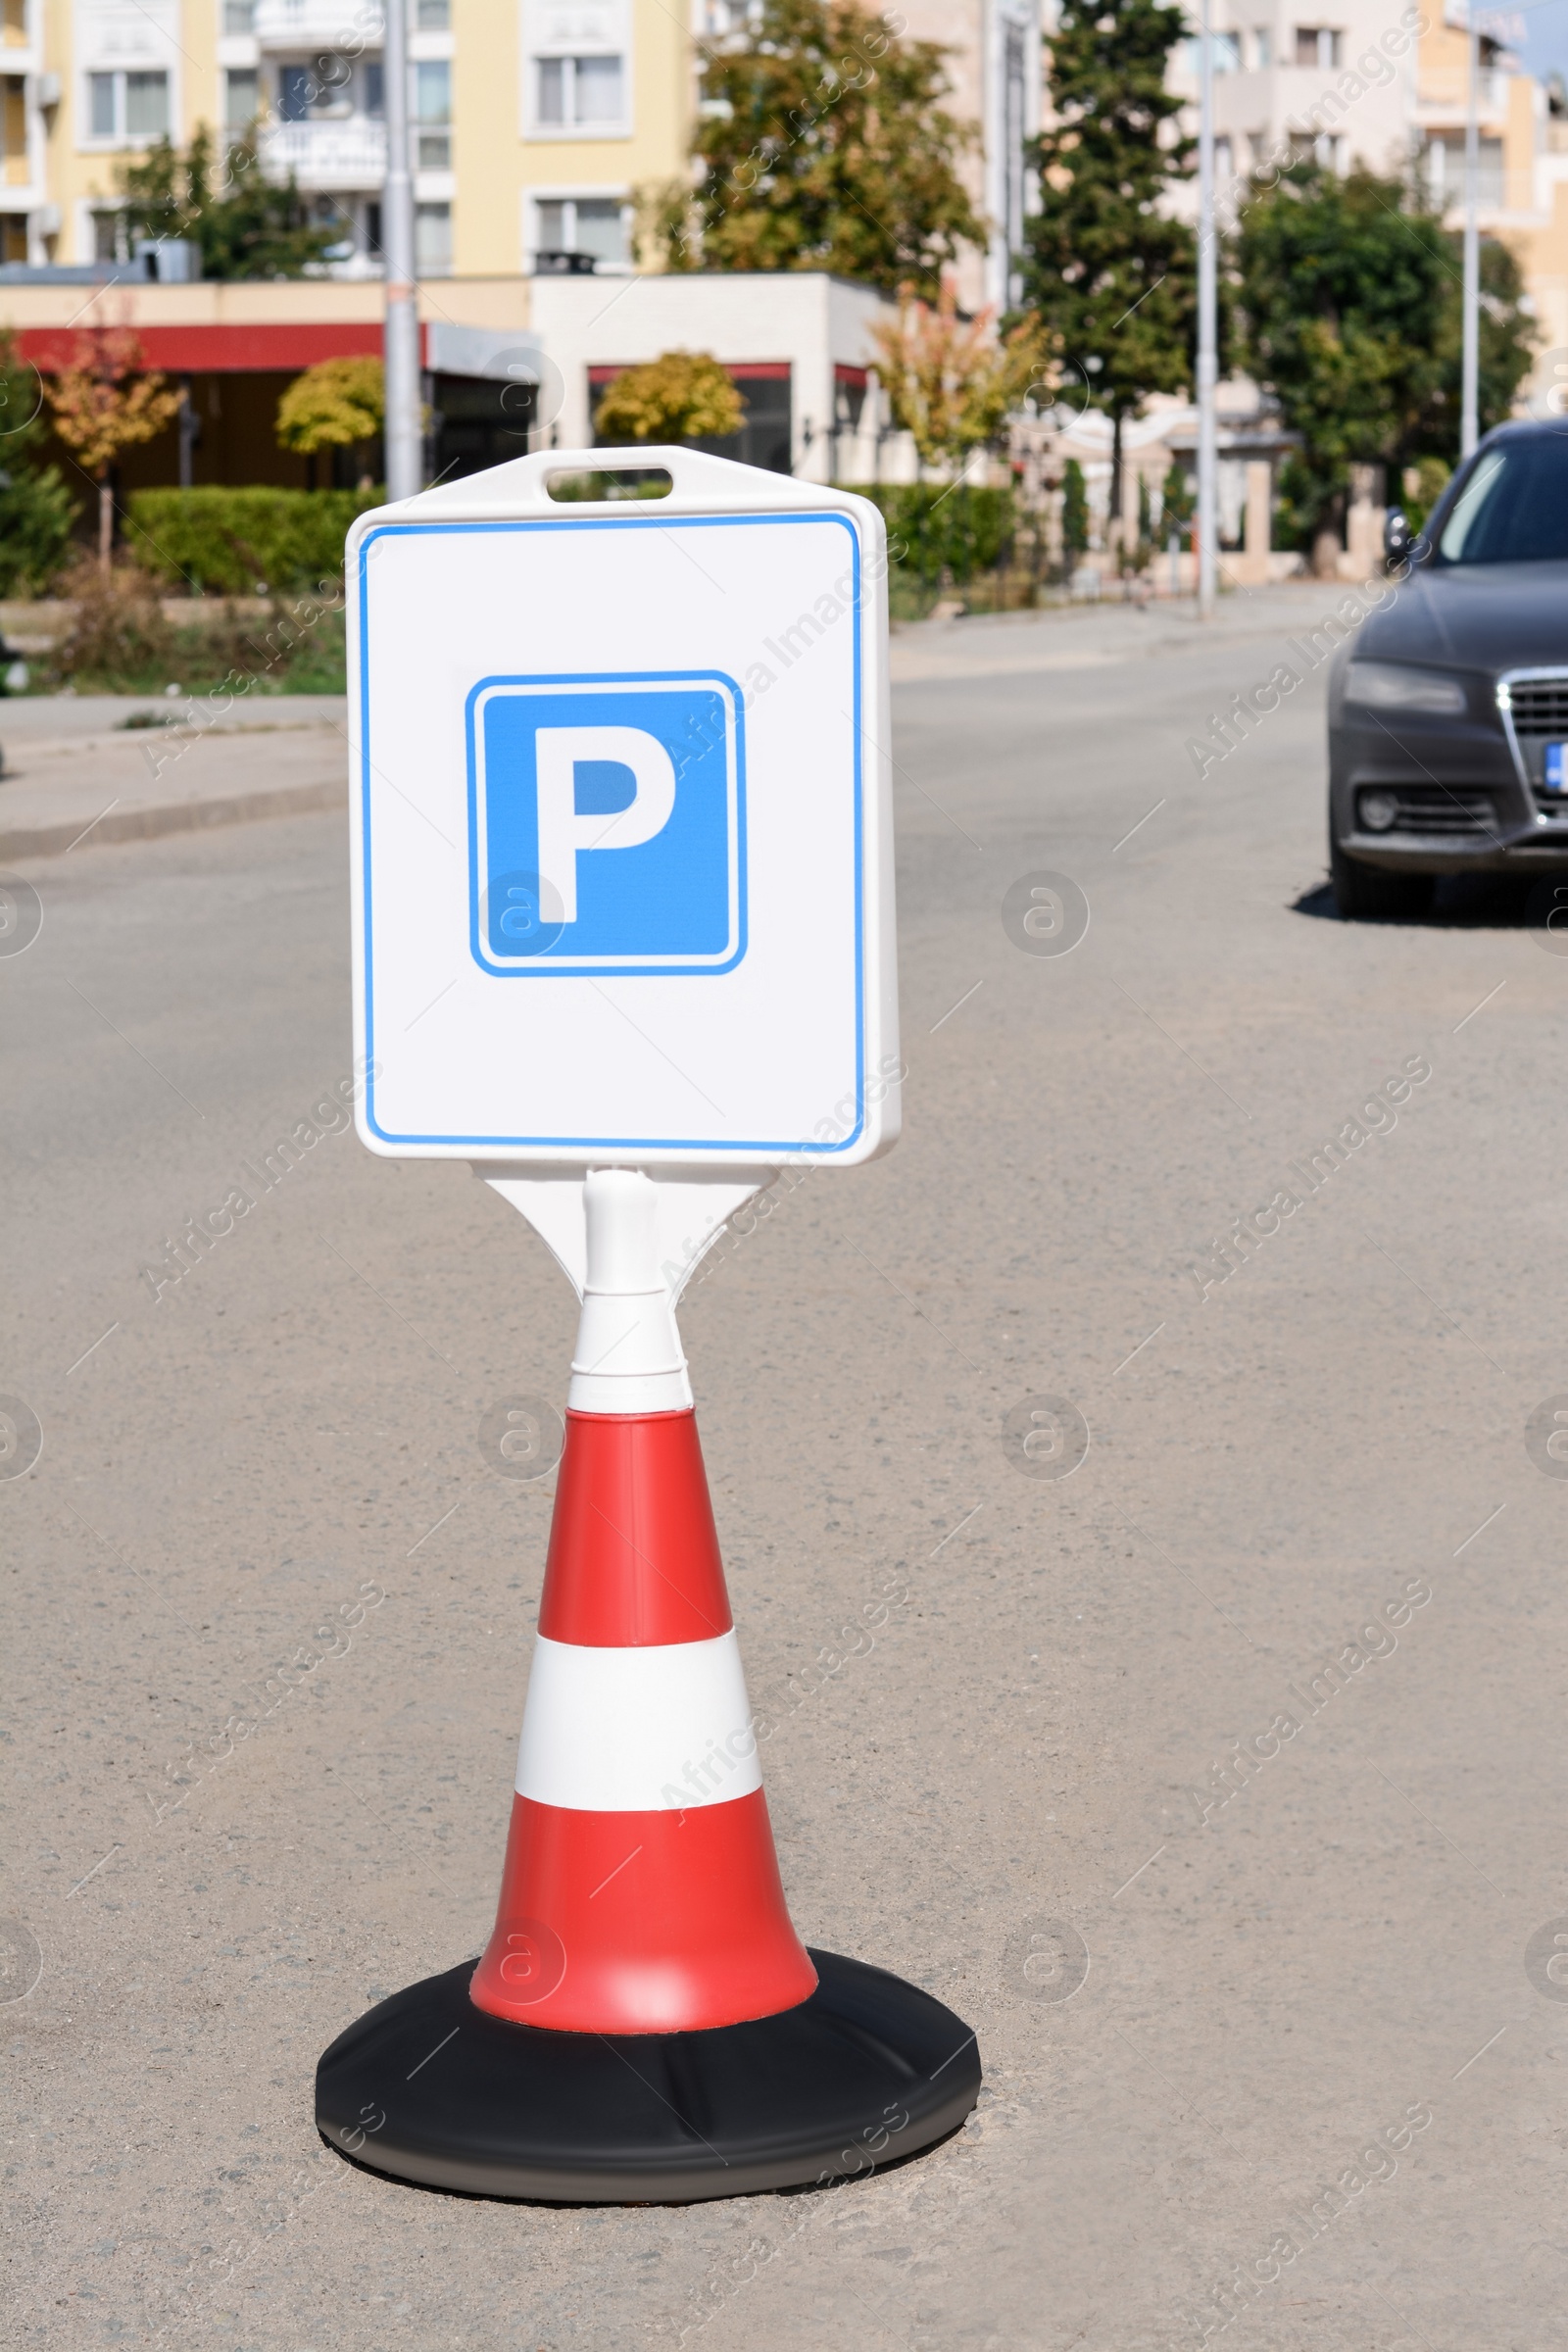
[(641, 1894), (644, 2023)]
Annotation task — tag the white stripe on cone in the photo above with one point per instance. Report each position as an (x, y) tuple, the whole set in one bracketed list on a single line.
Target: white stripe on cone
[(637, 1730)]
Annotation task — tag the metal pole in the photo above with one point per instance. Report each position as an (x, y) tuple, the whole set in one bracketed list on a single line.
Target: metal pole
[(1471, 375), (1207, 355), (405, 439)]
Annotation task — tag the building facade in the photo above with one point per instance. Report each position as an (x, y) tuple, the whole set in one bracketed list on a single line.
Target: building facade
[(535, 122)]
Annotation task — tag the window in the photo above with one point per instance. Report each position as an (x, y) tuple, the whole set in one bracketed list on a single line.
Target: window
[(146, 105), (594, 225), (108, 237), (1316, 47), (1263, 49), (1445, 171), (573, 91), (239, 16), (433, 15), (1227, 52), (432, 113), (242, 99), (1319, 147), (296, 86), (433, 240), (1224, 162), (373, 88), (1513, 508), (127, 106)]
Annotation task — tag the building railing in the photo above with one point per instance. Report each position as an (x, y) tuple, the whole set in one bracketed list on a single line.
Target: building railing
[(351, 26), (327, 155)]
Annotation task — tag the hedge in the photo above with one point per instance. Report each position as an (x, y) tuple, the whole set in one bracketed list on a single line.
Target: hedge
[(234, 542), (964, 529)]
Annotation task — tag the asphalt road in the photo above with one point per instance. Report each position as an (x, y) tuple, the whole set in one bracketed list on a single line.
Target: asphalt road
[(1279, 2052)]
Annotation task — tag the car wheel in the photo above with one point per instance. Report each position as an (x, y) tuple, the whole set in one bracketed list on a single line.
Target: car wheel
[(1365, 894)]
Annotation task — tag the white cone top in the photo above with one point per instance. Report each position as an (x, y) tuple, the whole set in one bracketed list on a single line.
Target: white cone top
[(637, 1730), (628, 1357)]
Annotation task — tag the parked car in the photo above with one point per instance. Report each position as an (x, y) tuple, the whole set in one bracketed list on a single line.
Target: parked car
[(1449, 709)]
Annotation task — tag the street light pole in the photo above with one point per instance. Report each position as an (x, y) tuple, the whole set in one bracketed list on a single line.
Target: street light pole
[(1469, 420), (405, 437), (1208, 354)]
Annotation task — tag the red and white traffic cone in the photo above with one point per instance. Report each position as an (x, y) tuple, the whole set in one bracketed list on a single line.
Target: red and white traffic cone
[(641, 1893), (644, 2023)]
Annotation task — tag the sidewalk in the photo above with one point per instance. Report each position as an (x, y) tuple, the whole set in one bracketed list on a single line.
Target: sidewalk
[(74, 772)]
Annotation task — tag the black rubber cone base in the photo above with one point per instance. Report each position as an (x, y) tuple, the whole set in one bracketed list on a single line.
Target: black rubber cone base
[(429, 2088)]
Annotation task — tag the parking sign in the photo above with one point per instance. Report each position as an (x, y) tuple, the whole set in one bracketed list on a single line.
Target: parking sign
[(622, 822)]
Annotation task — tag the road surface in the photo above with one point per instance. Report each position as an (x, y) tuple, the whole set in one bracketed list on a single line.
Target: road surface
[(1216, 1783)]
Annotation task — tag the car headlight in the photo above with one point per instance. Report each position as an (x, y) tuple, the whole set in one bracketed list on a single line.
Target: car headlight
[(1399, 686)]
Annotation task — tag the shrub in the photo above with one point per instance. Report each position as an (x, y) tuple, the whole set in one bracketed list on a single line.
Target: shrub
[(37, 513), (226, 542), (681, 396), (118, 631), (36, 516), (338, 404), (961, 530)]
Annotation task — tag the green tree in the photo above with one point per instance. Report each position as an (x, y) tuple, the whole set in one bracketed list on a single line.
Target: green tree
[(821, 144), (245, 224), (1075, 512), (1178, 502), (1110, 273), (681, 396), (36, 509), (1350, 293)]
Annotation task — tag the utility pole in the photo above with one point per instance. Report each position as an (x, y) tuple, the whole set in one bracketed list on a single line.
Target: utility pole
[(405, 437), (1208, 354), (1471, 370)]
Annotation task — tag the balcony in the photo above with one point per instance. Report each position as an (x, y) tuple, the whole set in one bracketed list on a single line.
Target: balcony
[(349, 27), (1444, 91), (346, 155)]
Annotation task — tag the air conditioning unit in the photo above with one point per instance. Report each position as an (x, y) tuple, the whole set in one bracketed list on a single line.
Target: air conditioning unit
[(46, 220), (46, 89)]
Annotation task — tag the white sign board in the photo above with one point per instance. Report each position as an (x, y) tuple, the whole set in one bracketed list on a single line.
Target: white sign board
[(623, 837)]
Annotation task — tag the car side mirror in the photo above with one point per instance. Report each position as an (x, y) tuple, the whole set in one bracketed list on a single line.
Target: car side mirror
[(1397, 538)]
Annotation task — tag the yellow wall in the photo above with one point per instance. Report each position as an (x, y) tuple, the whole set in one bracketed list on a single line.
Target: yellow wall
[(493, 159)]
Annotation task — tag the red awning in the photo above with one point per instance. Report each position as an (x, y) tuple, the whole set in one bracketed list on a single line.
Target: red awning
[(222, 350)]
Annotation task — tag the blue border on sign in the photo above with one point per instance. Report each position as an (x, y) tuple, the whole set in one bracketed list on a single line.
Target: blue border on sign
[(609, 1143), (542, 968)]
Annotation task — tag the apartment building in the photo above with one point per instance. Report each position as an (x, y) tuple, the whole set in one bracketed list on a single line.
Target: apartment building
[(534, 120), (1386, 83), (994, 66)]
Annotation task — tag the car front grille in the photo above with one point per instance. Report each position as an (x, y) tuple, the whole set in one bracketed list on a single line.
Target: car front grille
[(1536, 714), (1540, 707), (1449, 809)]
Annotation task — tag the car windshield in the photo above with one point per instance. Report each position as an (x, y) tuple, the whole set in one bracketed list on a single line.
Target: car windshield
[(1514, 508)]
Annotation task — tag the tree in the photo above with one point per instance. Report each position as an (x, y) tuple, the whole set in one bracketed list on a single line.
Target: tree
[(105, 402), (36, 509), (245, 224), (1075, 512), (950, 382), (681, 396), (1109, 274), (338, 404), (1349, 294), (1178, 502), (821, 144)]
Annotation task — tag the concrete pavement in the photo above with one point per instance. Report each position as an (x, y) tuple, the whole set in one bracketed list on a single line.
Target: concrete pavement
[(1214, 1782)]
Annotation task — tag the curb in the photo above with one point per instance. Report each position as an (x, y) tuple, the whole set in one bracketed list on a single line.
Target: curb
[(177, 817)]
